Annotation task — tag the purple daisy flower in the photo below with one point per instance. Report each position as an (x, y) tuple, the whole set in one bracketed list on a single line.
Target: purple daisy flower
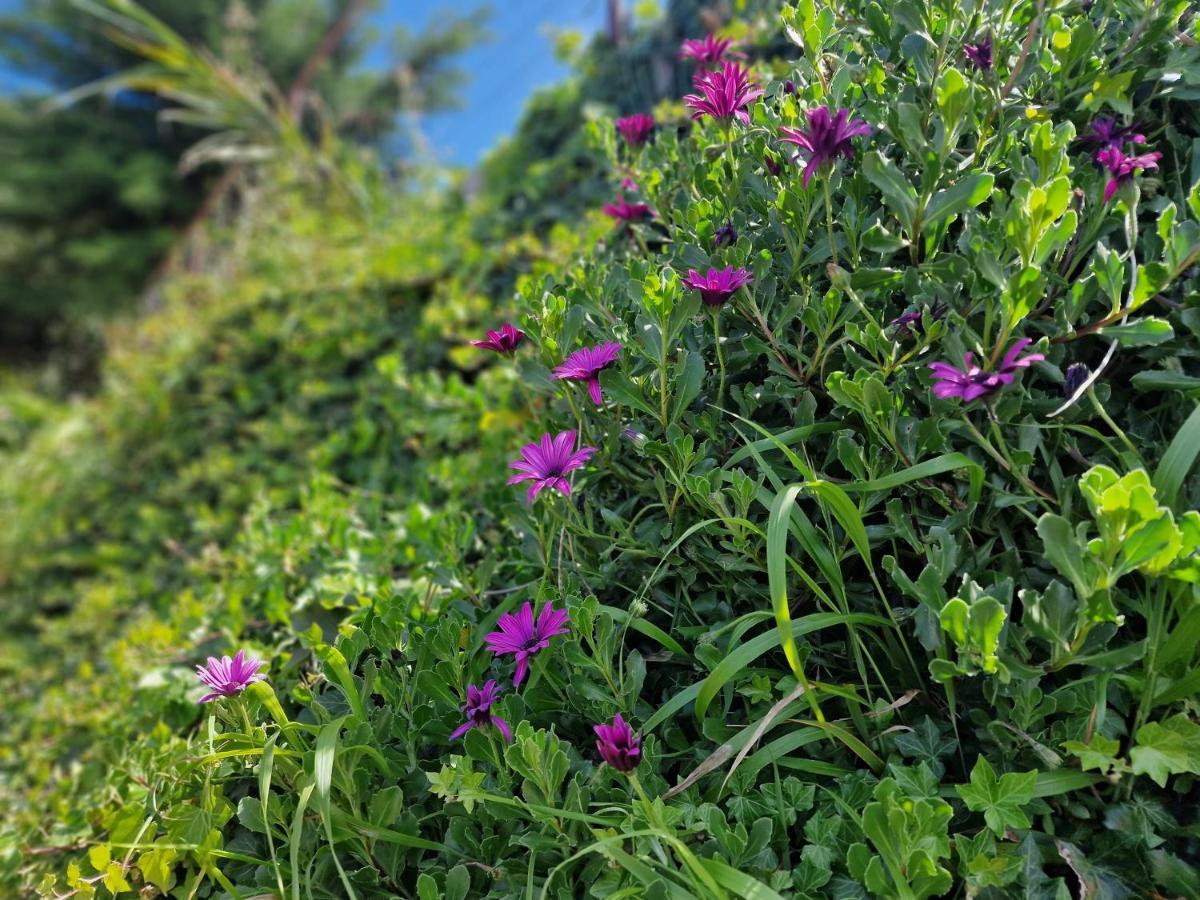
[(505, 340), (973, 382), (522, 636), (586, 364), (718, 285), (226, 677), (910, 322), (547, 463), (478, 710), (828, 137), (726, 234), (1122, 167), (618, 745), (980, 54), (724, 94), (1105, 132), (706, 51), (623, 211), (635, 129)]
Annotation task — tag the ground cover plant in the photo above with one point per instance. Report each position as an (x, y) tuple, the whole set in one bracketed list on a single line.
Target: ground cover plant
[(817, 518)]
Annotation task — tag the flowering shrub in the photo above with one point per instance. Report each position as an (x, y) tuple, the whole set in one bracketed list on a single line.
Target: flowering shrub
[(848, 581)]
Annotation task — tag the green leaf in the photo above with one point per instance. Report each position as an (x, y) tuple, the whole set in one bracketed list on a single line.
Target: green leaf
[(1146, 332), (1099, 753), (339, 673), (1000, 800), (969, 192), (897, 192), (1168, 748), (157, 867)]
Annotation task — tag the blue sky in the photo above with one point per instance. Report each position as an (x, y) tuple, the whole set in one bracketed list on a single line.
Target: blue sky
[(504, 71)]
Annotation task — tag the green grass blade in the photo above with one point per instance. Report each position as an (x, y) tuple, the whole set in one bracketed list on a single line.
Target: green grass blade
[(1178, 460), (947, 462), (744, 655), (327, 741), (742, 885), (295, 836), (265, 768), (649, 629)]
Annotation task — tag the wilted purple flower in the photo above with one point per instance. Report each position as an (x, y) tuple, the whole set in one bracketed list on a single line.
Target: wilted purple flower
[(547, 463), (772, 165), (827, 138), (1076, 375), (789, 87), (1123, 167), (586, 364), (710, 50), (635, 129), (226, 677), (718, 285), (724, 94), (908, 323), (980, 54), (520, 635), (478, 710), (624, 211), (1105, 132), (618, 745), (505, 340), (972, 382), (726, 234)]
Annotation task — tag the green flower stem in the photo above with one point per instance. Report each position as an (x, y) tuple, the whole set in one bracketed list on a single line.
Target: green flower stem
[(716, 320), (829, 217), (651, 810), (1004, 461), (241, 705), (1103, 414)]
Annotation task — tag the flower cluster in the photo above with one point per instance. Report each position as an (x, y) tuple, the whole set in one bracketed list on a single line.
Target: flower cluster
[(972, 381), (1122, 168), (707, 50), (828, 137), (547, 462), (717, 285), (523, 636), (636, 129), (586, 364), (624, 211), (478, 711), (1110, 141), (980, 53), (618, 745), (227, 677), (506, 339), (724, 94)]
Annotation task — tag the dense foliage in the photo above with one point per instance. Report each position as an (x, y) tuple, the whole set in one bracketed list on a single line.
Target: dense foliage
[(886, 549)]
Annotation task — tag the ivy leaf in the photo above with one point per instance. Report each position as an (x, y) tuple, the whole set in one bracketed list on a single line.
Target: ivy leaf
[(1000, 800), (1098, 753), (1168, 748)]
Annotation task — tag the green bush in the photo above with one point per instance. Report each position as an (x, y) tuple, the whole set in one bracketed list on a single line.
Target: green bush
[(875, 642)]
